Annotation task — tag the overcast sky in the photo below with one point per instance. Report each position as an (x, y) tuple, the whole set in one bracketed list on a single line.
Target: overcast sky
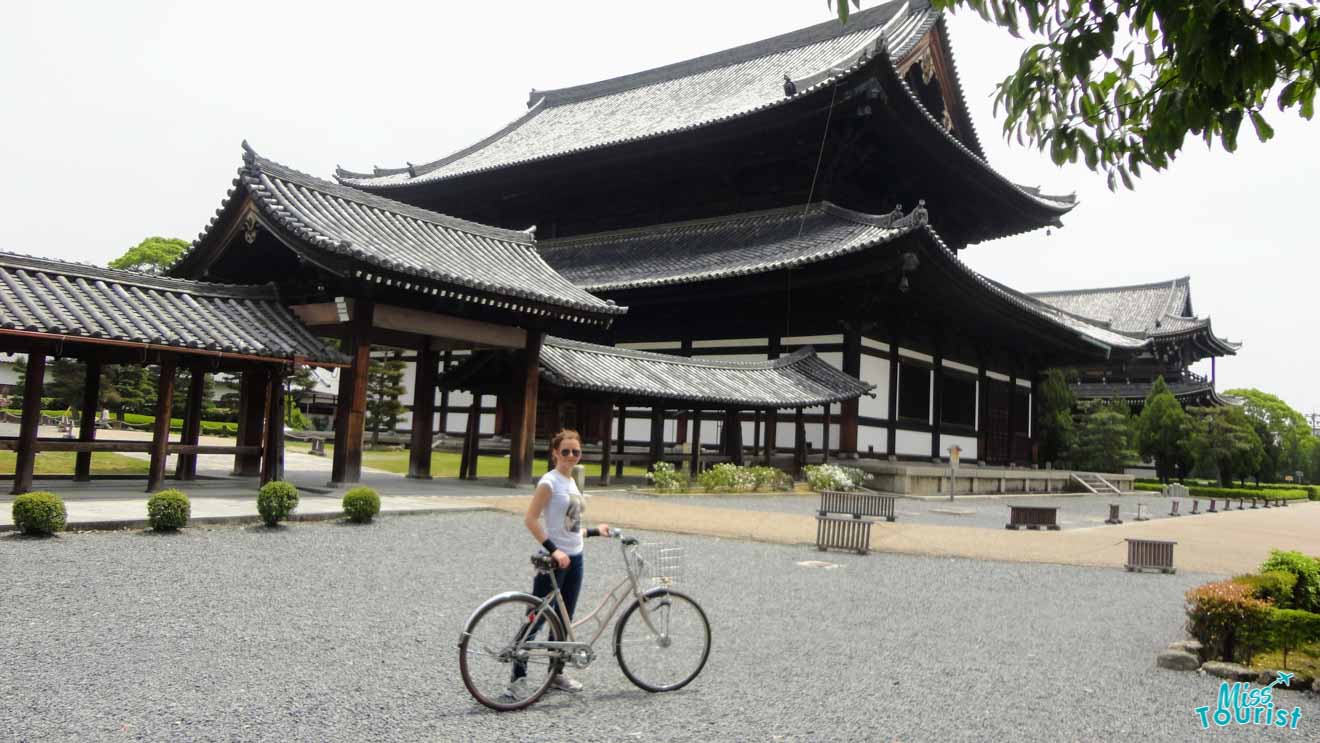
[(123, 120)]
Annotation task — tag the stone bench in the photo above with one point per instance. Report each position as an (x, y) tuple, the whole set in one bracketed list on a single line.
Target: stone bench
[(1033, 517)]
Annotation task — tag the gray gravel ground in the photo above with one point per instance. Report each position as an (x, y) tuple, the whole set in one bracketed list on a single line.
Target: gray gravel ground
[(331, 632), (1075, 511)]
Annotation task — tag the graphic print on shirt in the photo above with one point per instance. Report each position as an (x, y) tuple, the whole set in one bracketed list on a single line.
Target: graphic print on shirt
[(573, 514)]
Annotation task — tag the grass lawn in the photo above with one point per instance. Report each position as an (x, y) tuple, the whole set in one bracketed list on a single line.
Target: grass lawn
[(61, 463), (443, 463), (1306, 660)]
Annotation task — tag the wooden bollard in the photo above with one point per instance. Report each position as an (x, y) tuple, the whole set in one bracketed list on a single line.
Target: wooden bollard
[(1212, 508), (1174, 510), (1196, 507), (1113, 515)]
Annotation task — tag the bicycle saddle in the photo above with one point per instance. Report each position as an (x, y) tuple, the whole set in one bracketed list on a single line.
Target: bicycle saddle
[(543, 561)]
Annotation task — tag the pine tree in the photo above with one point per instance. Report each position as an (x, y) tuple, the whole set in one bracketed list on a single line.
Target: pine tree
[(1054, 420), (384, 386), (1162, 430)]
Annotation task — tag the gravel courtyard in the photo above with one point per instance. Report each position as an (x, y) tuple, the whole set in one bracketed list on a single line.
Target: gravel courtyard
[(347, 633)]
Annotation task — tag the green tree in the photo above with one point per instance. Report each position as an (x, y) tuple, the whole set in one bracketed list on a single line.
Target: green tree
[(130, 390), (384, 386), (152, 255), (1225, 436), (301, 382), (1054, 417), (1286, 435), (1122, 84), (1104, 440), (1163, 430)]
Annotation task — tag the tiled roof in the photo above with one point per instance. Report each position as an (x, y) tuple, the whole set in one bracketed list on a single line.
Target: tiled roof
[(81, 301), (1157, 310), (800, 379), (396, 237), (724, 247), (1132, 309)]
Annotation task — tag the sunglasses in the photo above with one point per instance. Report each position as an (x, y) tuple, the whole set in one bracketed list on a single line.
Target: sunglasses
[(570, 452)]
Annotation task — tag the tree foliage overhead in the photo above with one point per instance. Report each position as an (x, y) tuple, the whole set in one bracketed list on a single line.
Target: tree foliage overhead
[(152, 255), (1285, 434), (1225, 436), (1121, 84)]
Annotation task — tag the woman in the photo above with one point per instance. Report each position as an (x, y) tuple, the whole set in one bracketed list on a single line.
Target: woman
[(558, 503)]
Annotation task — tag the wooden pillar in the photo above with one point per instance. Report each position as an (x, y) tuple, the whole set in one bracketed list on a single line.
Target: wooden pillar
[(33, 384), (848, 411), (756, 434), (606, 443), (937, 405), (82, 466), (1033, 431), (657, 432), (982, 395), (251, 420), (799, 443), (733, 436), (695, 466), (272, 450), (771, 435), (423, 413), (825, 435), (892, 438), (351, 408), (185, 465), (467, 464), (622, 430), (527, 384), (160, 433), (445, 361), (1012, 415)]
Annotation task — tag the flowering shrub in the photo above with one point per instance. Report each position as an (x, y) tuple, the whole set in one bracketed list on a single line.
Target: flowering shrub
[(771, 478), (665, 477), (1229, 621), (727, 477), (833, 477)]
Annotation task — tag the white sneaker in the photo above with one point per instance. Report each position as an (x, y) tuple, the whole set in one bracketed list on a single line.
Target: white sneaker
[(516, 691), (564, 683)]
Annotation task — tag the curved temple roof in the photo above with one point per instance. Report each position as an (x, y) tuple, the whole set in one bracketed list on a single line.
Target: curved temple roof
[(1161, 310), (93, 304), (396, 237), (800, 379), (700, 92)]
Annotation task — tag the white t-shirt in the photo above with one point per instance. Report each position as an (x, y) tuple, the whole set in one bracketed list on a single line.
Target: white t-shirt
[(563, 514)]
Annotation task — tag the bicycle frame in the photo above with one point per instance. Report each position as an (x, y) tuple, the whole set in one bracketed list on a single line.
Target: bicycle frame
[(599, 617)]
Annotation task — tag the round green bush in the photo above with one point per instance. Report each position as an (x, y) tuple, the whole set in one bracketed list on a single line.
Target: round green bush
[(39, 513), (168, 510), (360, 504), (276, 500)]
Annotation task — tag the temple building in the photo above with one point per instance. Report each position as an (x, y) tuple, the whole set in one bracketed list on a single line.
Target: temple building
[(1159, 313)]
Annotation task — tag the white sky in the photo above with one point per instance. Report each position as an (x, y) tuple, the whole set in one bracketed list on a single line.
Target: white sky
[(122, 120)]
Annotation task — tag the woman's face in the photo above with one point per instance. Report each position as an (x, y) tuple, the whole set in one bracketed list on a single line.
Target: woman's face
[(568, 453)]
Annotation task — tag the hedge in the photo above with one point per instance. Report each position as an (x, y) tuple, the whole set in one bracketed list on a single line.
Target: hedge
[(1198, 491)]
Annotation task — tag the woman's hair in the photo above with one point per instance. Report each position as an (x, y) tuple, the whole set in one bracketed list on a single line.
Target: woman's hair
[(564, 433)]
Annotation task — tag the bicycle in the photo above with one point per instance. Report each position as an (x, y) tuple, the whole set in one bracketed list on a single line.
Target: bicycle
[(661, 642)]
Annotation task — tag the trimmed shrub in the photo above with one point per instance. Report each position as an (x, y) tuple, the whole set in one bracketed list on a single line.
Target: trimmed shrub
[(360, 504), (39, 513), (664, 477), (1293, 628), (1274, 586), (728, 477), (276, 500), (168, 510), (1306, 592), (1230, 622), (833, 477), (771, 478)]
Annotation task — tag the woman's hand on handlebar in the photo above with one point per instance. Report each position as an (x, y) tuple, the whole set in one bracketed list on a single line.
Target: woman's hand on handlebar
[(561, 558)]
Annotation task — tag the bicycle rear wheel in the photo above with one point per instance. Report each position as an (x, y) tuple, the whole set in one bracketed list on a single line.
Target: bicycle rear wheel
[(492, 655), (669, 652)]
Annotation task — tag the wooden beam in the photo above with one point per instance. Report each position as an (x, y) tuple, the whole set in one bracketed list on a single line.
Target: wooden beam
[(892, 434), (423, 413), (937, 403), (160, 434), (33, 383), (734, 427), (771, 435), (351, 408), (695, 467), (619, 439), (657, 433), (473, 437), (799, 443), (82, 466), (825, 435), (185, 466), (445, 363), (848, 412), (521, 455), (272, 456), (407, 320)]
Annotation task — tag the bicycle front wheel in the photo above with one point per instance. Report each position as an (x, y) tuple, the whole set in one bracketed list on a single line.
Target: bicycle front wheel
[(498, 668), (667, 652)]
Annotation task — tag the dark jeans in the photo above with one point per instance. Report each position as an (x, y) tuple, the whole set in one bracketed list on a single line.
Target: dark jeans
[(570, 584)]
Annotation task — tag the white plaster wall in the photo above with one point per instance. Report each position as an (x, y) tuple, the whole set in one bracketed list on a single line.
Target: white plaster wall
[(874, 437), (966, 443), (912, 443), (875, 371)]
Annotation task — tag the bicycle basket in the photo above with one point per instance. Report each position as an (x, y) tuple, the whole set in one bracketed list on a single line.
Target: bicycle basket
[(660, 564)]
